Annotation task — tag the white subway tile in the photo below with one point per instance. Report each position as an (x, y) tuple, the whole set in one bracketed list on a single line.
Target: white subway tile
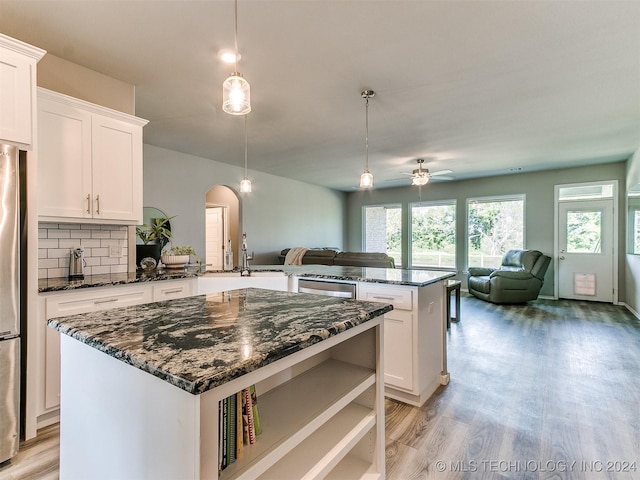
[(98, 270), (48, 243), (57, 272), (90, 242), (48, 263), (59, 233), (100, 234), (99, 252), (57, 252), (118, 269), (69, 243)]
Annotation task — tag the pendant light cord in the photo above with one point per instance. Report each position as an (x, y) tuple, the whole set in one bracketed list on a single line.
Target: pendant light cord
[(366, 135), (246, 142), (236, 32)]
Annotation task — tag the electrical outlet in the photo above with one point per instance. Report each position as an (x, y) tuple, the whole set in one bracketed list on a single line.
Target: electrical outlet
[(115, 251)]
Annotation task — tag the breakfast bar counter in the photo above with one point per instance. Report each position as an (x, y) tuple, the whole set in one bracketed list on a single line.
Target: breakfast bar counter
[(141, 386)]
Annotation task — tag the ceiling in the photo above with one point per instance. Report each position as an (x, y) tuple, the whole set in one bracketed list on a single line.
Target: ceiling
[(478, 87)]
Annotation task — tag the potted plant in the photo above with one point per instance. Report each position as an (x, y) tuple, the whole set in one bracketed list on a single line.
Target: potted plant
[(177, 256), (154, 236)]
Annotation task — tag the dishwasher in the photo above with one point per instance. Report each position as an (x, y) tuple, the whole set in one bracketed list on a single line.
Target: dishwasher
[(331, 289)]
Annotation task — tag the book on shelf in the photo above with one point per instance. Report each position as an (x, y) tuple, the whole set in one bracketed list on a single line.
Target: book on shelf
[(239, 424), (248, 414), (231, 428), (256, 413), (239, 428)]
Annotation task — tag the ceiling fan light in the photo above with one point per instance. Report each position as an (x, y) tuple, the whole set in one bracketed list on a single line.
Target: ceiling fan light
[(236, 95), (420, 179), (366, 179), (245, 185)]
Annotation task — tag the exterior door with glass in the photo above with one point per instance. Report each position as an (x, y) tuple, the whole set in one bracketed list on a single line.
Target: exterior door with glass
[(586, 250)]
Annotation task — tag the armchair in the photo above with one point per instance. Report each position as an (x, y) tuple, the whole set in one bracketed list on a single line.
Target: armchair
[(518, 280)]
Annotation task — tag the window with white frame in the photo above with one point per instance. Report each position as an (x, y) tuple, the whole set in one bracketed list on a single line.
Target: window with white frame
[(383, 230), (494, 226), (433, 234)]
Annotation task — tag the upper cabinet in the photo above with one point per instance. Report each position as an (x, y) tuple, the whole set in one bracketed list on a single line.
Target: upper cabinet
[(89, 162), (17, 87)]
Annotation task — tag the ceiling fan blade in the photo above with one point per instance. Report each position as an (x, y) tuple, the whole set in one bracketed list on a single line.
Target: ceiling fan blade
[(395, 179), (441, 178), (441, 172)]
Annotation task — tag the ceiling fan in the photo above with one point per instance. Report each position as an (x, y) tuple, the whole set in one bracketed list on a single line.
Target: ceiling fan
[(421, 176)]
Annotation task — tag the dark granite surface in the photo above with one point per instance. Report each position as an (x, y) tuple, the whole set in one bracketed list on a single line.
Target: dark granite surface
[(63, 283), (396, 276), (200, 342)]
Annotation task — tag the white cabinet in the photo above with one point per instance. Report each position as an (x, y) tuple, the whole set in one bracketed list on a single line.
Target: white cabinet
[(413, 338), (17, 84), (398, 330), (169, 289), (90, 162), (57, 304)]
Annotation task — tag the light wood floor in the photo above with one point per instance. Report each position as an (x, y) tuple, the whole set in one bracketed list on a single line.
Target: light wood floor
[(533, 389)]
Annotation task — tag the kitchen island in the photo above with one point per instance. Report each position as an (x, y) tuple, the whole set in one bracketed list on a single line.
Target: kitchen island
[(141, 386)]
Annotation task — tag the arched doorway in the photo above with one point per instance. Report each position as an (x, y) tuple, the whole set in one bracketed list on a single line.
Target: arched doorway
[(222, 223)]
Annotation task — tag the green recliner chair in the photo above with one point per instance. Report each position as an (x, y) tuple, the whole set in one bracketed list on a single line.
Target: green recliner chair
[(518, 280)]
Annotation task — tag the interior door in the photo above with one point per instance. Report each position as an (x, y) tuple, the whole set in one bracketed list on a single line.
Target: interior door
[(586, 250), (215, 236)]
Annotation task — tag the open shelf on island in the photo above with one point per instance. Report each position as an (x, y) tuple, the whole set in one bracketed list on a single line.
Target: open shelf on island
[(296, 411)]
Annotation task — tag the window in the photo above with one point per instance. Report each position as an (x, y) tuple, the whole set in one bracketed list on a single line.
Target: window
[(433, 235), (383, 230), (494, 225), (584, 231)]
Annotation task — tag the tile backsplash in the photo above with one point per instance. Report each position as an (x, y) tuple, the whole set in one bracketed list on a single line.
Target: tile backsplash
[(105, 248)]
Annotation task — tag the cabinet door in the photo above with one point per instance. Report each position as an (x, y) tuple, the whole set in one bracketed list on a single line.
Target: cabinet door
[(117, 170), (64, 160), (398, 351), (16, 72), (399, 331), (73, 303)]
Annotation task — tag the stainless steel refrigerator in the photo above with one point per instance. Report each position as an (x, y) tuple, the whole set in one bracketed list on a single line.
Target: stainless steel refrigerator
[(10, 301)]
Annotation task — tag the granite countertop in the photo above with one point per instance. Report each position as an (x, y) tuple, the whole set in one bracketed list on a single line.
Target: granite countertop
[(63, 283), (198, 343), (395, 276)]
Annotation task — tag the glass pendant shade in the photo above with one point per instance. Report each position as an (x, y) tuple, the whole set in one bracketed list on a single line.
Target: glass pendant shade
[(245, 185), (236, 95), (366, 179)]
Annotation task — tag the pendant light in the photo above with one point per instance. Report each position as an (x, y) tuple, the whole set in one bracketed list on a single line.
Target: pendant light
[(366, 179), (236, 93), (245, 183)]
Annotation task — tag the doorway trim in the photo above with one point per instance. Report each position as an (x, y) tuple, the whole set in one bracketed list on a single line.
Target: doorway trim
[(556, 234)]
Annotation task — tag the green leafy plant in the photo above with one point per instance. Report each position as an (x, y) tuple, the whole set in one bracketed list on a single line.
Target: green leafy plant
[(156, 232), (179, 250)]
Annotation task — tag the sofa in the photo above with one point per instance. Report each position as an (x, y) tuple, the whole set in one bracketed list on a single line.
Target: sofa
[(518, 279), (332, 256)]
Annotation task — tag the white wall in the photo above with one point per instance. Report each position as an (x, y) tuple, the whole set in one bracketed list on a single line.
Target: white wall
[(632, 265), (277, 214)]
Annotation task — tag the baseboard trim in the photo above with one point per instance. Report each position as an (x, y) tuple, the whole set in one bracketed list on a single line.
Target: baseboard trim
[(633, 312)]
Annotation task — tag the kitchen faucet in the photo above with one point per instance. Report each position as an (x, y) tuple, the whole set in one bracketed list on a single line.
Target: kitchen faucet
[(244, 272)]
